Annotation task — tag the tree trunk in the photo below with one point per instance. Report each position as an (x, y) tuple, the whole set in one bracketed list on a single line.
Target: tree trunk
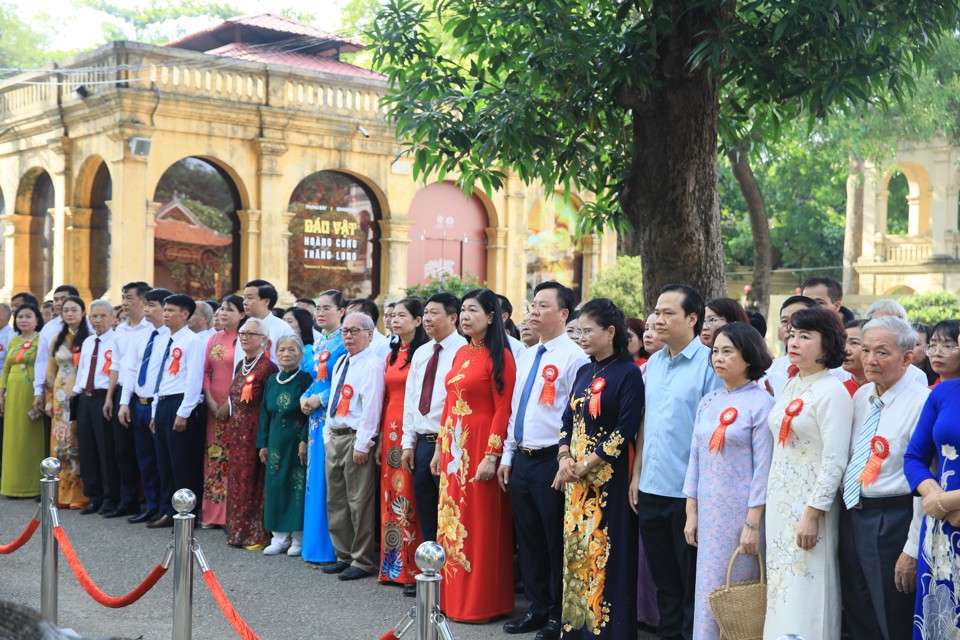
[(853, 231), (740, 163), (670, 195)]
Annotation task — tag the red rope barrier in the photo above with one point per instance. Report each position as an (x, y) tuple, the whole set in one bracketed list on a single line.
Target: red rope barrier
[(22, 539), (229, 612), (88, 585), (389, 635)]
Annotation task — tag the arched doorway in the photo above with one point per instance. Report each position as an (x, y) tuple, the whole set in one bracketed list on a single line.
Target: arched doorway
[(197, 234), (34, 242), (88, 225), (334, 236), (447, 235), (898, 207), (553, 251)]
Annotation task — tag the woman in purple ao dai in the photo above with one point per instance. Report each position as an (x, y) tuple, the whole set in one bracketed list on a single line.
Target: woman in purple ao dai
[(726, 483)]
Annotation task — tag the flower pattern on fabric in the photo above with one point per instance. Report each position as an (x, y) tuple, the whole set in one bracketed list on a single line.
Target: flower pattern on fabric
[(494, 445), (64, 445), (450, 531)]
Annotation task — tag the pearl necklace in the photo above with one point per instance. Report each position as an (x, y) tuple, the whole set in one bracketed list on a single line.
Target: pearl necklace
[(279, 381), (244, 369)]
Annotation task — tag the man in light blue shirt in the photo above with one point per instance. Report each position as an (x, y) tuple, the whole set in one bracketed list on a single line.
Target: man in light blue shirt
[(678, 376)]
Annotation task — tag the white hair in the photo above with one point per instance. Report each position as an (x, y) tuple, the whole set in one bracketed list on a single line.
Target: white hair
[(101, 303), (900, 328), (260, 323), (367, 320), (886, 307), (291, 337)]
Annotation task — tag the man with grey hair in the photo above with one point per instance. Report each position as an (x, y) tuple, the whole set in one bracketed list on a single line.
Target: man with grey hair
[(880, 526), (201, 322), (353, 421), (887, 308)]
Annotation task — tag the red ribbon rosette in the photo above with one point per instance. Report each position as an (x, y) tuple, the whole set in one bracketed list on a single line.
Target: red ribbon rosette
[(23, 349), (322, 365), (107, 361), (175, 363), (549, 392), (880, 449), (343, 407), (793, 409), (76, 357), (246, 395), (596, 389), (727, 417)]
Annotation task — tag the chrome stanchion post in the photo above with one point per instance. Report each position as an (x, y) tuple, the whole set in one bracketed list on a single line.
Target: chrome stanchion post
[(183, 502), (49, 519), (430, 557)]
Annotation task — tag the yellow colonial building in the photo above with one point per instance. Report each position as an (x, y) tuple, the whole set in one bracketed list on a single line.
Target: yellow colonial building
[(249, 150)]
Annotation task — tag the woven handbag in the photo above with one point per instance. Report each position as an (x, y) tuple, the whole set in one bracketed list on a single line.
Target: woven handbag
[(740, 608)]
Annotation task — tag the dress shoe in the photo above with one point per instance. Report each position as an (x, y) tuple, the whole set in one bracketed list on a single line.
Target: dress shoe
[(410, 590), (92, 507), (550, 631), (336, 567), (354, 573), (146, 516), (119, 512), (163, 522), (529, 622), (106, 508)]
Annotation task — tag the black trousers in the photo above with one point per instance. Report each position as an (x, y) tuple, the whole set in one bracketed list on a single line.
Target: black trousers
[(98, 466), (426, 489), (538, 524), (125, 455), (673, 563), (871, 541), (179, 453)]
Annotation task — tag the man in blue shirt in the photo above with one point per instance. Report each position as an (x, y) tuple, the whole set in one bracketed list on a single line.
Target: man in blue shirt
[(678, 376)]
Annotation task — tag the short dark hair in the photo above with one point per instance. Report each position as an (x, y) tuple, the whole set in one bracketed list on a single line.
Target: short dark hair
[(921, 327), (367, 308), (809, 303), (751, 346), (27, 297), (947, 330), (566, 298), (757, 321), (139, 288), (28, 306), (834, 289), (606, 314), (335, 296), (304, 323), (728, 308), (309, 301), (214, 305), (846, 314), (450, 302), (638, 326), (69, 289), (855, 324), (833, 337), (265, 291), (157, 295), (505, 305), (183, 301), (692, 302), (573, 315)]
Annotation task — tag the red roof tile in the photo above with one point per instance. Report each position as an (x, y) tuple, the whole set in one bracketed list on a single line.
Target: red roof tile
[(298, 60), (265, 22), (186, 233)]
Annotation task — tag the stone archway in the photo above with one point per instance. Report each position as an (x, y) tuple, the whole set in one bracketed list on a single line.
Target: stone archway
[(33, 233), (87, 253), (918, 197)]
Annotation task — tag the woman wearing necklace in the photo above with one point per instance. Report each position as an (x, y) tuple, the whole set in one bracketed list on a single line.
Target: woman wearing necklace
[(600, 531), (61, 377), (473, 520), (282, 440), (400, 529), (217, 376), (23, 448), (246, 473), (317, 546), (810, 424), (726, 482)]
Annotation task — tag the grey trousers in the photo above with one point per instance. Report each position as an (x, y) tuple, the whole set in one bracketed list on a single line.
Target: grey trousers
[(351, 504)]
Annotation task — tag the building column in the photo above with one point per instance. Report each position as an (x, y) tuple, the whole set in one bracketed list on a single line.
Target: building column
[(250, 225), (132, 224), (23, 236), (942, 217), (591, 263), (78, 249), (496, 258), (274, 237), (874, 214), (61, 176), (394, 256)]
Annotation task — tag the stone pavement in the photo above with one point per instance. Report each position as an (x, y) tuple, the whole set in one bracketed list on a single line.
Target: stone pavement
[(281, 598)]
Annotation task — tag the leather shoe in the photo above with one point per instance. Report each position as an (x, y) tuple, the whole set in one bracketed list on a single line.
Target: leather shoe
[(354, 573), (119, 512), (529, 622), (336, 567), (146, 516), (92, 507), (550, 631), (163, 522), (106, 508)]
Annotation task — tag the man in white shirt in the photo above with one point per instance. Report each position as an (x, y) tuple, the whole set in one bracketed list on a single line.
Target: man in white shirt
[(379, 342), (506, 312), (259, 298), (423, 403), (545, 375), (353, 421), (98, 464), (124, 445), (880, 525), (178, 431), (138, 373)]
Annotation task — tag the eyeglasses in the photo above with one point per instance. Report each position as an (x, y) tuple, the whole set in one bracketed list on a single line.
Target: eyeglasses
[(586, 333), (355, 331), (250, 334), (945, 349), (709, 321)]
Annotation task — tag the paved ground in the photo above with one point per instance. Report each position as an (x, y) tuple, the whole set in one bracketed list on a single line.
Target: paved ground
[(279, 597)]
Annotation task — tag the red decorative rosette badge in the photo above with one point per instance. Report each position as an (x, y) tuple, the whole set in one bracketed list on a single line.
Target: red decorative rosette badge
[(792, 411), (107, 361), (76, 356), (175, 363), (879, 450), (322, 365), (246, 395), (727, 417), (549, 392), (343, 407), (23, 349), (596, 389)]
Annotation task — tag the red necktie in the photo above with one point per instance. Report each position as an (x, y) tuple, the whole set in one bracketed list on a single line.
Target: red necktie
[(93, 367), (429, 377), (792, 371)]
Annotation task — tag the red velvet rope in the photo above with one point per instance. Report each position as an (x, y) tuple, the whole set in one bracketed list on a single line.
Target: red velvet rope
[(389, 635), (229, 612), (87, 583), (22, 539)]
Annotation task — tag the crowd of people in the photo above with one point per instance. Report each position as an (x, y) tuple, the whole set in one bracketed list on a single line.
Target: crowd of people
[(624, 462)]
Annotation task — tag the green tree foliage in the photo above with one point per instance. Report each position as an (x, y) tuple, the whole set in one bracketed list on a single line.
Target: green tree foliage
[(447, 283), (931, 308), (22, 46), (154, 21), (197, 180), (622, 283)]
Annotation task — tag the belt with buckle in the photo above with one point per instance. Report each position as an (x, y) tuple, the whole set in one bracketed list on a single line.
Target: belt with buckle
[(539, 453), (346, 431), (95, 392), (145, 401), (885, 503), (429, 437), (176, 396)]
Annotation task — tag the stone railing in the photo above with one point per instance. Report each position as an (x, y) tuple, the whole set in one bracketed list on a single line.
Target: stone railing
[(907, 249)]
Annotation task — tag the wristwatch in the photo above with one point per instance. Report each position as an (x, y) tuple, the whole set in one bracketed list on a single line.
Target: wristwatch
[(491, 458), (586, 465)]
